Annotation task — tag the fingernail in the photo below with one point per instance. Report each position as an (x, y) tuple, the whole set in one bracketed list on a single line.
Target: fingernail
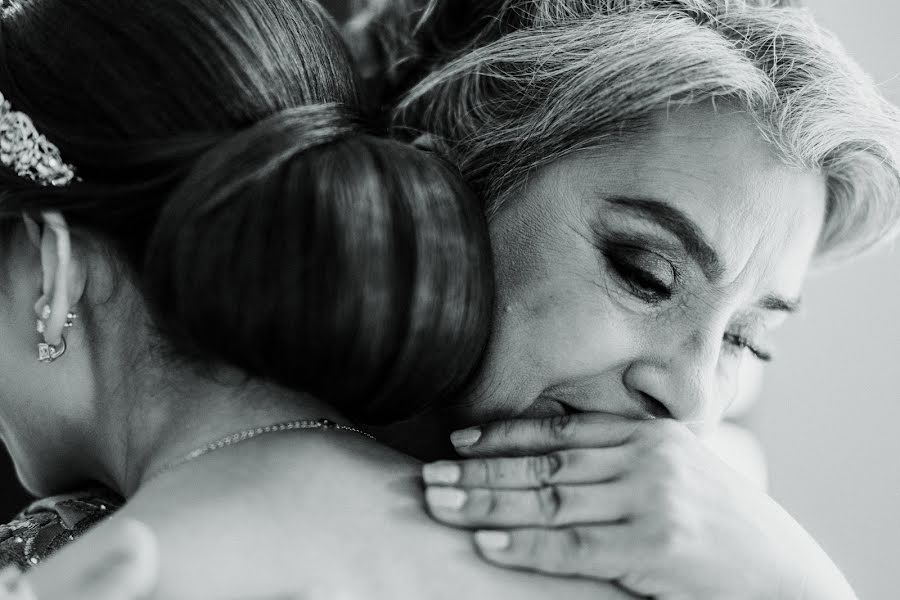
[(442, 472), (465, 437), (492, 540), (446, 498)]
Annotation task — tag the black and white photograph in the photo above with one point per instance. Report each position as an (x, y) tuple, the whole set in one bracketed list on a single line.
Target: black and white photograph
[(449, 299)]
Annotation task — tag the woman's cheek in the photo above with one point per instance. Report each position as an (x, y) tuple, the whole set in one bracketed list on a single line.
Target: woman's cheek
[(745, 384), (585, 340)]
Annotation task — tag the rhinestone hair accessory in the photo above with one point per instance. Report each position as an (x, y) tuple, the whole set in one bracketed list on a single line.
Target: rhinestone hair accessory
[(10, 7), (27, 152)]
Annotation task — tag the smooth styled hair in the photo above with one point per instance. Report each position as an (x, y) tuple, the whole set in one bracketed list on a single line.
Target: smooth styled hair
[(224, 159), (507, 86)]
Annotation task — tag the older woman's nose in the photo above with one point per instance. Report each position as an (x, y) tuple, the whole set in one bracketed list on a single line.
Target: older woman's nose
[(682, 385)]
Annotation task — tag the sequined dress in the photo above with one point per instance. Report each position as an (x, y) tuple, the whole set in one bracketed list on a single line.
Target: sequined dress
[(49, 524)]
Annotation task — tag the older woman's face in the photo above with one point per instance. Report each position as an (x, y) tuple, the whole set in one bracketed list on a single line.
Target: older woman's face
[(645, 279)]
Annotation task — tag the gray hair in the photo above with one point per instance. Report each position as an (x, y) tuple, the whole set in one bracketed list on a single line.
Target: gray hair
[(560, 76)]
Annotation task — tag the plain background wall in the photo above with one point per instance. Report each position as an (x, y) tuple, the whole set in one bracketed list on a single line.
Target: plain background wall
[(829, 413)]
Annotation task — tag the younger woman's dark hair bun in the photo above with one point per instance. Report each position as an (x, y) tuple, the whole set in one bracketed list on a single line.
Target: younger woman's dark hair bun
[(310, 253)]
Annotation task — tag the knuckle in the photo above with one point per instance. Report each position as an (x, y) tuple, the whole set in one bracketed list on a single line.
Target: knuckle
[(669, 529), (534, 548), (481, 504), (502, 432), (576, 549), (668, 538), (660, 543), (555, 463), (557, 551), (659, 498), (550, 504), (570, 551), (544, 469), (491, 505), (531, 544), (559, 428)]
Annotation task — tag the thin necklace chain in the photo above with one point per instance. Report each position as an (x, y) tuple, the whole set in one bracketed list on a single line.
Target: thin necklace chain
[(248, 434)]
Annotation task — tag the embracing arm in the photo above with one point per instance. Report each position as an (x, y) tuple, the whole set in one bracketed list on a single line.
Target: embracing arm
[(643, 503), (436, 562)]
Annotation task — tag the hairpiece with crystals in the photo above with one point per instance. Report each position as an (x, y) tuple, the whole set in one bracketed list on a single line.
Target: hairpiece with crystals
[(27, 152)]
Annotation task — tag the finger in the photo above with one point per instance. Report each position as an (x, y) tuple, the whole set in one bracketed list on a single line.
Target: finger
[(598, 552), (583, 465), (524, 437), (118, 561), (550, 506)]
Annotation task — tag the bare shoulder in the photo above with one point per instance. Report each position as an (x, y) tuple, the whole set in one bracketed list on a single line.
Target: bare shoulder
[(337, 519)]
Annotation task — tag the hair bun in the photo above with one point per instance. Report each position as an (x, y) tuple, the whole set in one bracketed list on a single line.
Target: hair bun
[(308, 252)]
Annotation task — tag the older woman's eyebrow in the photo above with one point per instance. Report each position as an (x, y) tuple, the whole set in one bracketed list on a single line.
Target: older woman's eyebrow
[(680, 225), (779, 303)]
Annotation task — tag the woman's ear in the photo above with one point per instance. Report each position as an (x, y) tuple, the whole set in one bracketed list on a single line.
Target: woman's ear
[(64, 276)]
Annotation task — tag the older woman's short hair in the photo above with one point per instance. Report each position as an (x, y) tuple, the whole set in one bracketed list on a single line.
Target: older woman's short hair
[(526, 82)]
